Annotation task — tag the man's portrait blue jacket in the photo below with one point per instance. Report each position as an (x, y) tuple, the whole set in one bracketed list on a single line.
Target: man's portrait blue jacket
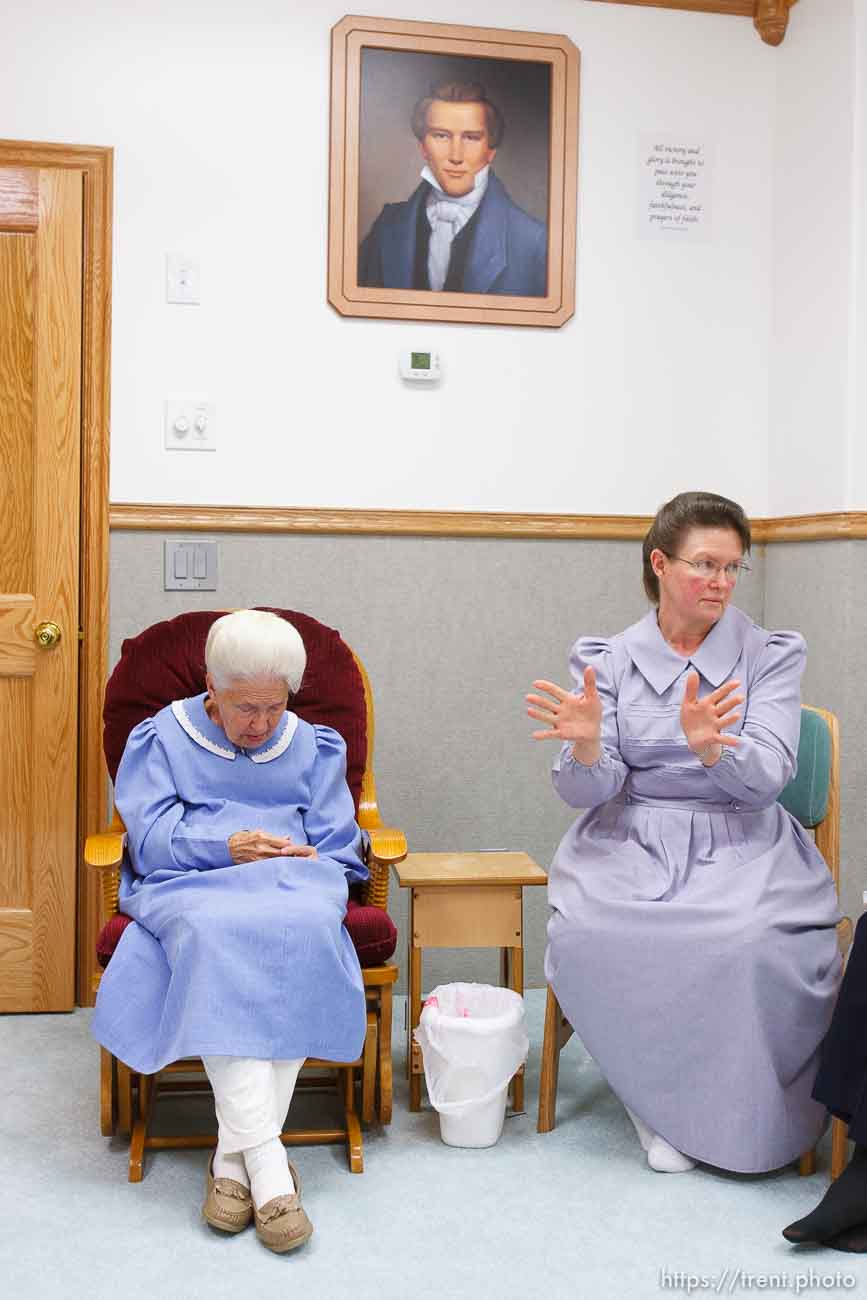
[(503, 249)]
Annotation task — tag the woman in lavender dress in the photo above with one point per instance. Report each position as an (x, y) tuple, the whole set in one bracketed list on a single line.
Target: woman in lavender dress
[(692, 940)]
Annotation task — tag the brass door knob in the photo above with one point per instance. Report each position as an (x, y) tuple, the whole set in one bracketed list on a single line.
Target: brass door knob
[(47, 635)]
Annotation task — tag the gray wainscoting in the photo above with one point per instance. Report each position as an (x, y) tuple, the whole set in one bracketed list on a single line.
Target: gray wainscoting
[(452, 631), (820, 588)]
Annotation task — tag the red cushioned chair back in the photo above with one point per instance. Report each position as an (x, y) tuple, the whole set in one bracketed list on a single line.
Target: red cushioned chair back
[(166, 662)]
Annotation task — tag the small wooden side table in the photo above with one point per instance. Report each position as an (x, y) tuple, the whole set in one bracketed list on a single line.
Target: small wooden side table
[(465, 900)]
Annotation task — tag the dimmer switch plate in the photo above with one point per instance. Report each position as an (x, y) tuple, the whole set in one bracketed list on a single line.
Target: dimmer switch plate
[(190, 424)]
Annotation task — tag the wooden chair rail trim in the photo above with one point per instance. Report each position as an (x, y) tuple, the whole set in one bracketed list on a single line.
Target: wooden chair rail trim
[(131, 517), (418, 523), (830, 527)]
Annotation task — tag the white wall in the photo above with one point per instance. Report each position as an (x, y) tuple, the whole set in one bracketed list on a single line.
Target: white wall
[(858, 312), (816, 153), (219, 116)]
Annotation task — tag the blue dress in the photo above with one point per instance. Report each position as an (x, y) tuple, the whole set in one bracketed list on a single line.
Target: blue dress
[(692, 942), (232, 959)]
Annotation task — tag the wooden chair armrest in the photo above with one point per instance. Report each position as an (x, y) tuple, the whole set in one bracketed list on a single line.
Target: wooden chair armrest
[(387, 846), (104, 851)]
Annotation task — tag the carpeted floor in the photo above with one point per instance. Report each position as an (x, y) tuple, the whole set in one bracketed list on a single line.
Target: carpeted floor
[(569, 1214)]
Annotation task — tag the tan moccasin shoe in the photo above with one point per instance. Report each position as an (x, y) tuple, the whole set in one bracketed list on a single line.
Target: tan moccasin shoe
[(281, 1222), (228, 1204)]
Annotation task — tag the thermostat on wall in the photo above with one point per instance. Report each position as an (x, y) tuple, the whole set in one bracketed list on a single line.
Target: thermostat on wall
[(424, 366)]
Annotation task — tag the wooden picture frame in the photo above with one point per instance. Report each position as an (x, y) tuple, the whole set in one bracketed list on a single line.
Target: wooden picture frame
[(380, 70)]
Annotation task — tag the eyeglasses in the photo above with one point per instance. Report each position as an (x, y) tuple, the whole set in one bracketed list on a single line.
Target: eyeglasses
[(707, 569)]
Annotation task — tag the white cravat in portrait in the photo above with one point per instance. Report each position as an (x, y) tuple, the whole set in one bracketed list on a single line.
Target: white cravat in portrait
[(447, 217)]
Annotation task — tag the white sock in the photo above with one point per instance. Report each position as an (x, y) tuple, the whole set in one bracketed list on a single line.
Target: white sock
[(663, 1157), (269, 1173), (230, 1165), (285, 1078), (645, 1134)]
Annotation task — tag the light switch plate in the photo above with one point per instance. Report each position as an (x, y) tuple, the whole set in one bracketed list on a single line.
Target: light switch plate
[(183, 279), (190, 566)]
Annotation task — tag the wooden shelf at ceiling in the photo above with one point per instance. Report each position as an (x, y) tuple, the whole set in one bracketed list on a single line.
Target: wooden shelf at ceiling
[(770, 17)]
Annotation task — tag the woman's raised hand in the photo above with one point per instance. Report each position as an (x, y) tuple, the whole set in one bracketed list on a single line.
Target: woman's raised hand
[(251, 846), (703, 719), (570, 717)]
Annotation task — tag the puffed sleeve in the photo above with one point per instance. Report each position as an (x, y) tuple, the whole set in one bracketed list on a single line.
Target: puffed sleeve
[(158, 836), (329, 819), (765, 759), (576, 784)]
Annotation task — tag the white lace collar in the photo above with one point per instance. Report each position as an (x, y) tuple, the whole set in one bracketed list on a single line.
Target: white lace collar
[(280, 745)]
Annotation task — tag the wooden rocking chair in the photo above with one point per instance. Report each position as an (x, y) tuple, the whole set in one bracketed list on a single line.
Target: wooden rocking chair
[(335, 691)]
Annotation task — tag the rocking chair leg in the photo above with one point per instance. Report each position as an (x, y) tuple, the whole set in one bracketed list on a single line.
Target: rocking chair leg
[(136, 1152), (124, 1098), (368, 1070), (140, 1128), (107, 1093), (354, 1147), (384, 1052)]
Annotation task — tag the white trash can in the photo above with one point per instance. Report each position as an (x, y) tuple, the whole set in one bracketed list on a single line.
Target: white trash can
[(472, 1041)]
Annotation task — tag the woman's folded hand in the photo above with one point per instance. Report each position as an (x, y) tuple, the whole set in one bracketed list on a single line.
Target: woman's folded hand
[(252, 846)]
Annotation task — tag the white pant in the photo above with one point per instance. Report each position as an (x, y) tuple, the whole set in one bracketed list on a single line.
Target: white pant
[(251, 1097)]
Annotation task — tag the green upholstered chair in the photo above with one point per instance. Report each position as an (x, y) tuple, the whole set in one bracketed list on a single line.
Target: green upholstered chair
[(813, 797), (808, 796)]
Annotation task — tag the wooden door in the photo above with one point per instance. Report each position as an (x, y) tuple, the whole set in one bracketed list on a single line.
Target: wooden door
[(40, 452)]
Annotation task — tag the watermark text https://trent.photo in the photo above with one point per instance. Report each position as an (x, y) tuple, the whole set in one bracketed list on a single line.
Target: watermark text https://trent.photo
[(731, 1281)]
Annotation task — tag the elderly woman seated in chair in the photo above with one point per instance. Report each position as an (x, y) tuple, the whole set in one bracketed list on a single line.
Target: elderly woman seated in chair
[(242, 843)]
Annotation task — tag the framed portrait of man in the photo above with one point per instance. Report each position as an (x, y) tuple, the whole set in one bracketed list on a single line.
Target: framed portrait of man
[(453, 173)]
